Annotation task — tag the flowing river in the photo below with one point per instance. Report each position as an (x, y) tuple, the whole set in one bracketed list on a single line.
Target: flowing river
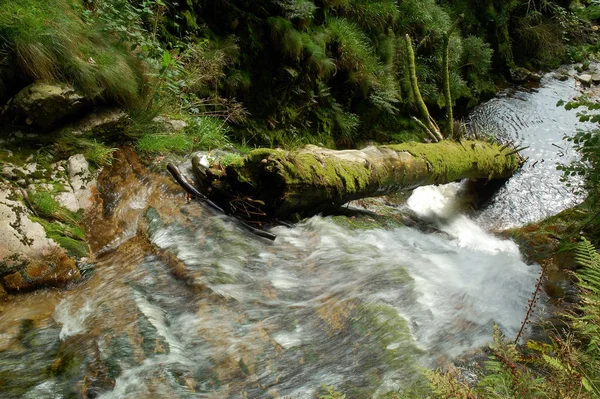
[(181, 303)]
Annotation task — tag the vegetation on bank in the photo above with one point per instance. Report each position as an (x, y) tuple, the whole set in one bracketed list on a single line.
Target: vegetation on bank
[(284, 72)]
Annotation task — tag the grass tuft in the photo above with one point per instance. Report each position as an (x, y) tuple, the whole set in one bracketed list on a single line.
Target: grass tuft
[(202, 133), (49, 41)]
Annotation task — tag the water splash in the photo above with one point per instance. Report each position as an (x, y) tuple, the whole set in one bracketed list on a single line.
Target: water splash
[(73, 322)]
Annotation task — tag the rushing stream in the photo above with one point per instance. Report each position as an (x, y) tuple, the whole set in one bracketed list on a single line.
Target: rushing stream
[(182, 303)]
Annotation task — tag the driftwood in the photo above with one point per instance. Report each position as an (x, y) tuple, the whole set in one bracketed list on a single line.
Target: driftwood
[(288, 184)]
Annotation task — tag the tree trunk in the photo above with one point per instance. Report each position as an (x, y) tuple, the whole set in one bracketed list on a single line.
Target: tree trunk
[(427, 124), (446, 72), (281, 184)]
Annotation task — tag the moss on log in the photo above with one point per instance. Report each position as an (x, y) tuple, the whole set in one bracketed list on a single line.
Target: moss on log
[(313, 179)]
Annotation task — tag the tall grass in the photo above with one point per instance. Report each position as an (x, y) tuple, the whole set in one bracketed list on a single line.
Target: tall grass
[(49, 41)]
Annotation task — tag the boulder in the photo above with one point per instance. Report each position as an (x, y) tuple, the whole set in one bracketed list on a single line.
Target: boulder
[(101, 122), (18, 234), (585, 79), (519, 75), (28, 258), (81, 180), (535, 77), (43, 106), (596, 78)]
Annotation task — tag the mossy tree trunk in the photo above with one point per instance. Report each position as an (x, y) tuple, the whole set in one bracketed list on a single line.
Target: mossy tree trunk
[(313, 179)]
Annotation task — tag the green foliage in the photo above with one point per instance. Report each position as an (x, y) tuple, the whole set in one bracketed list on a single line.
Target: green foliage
[(541, 37), (298, 9), (588, 326), (202, 133), (48, 40), (96, 153), (354, 54), (587, 143), (378, 15), (476, 57)]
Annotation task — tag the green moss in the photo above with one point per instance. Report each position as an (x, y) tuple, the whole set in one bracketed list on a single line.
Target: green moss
[(449, 160), (76, 248), (292, 182), (47, 207), (364, 222), (553, 238), (337, 176), (60, 224), (202, 133), (44, 203)]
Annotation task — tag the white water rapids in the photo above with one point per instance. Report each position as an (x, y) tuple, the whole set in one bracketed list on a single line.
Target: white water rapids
[(334, 304)]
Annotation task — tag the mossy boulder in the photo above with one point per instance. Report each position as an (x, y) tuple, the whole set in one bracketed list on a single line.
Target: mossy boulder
[(520, 75), (44, 106)]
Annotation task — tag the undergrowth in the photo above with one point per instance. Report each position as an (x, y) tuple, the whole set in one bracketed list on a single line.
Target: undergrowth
[(202, 133), (49, 41)]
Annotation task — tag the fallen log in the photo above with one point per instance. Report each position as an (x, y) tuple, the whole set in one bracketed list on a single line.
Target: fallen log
[(314, 179)]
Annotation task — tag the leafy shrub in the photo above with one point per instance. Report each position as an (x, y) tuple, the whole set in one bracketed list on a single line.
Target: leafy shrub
[(587, 143)]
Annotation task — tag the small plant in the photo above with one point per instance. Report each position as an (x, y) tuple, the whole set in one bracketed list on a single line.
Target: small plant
[(98, 154), (202, 133), (330, 393), (48, 40)]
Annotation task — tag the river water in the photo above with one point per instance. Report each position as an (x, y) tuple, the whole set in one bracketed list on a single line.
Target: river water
[(180, 302)]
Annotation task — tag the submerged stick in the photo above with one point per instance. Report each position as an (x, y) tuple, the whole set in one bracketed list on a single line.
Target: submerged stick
[(174, 171), (517, 151)]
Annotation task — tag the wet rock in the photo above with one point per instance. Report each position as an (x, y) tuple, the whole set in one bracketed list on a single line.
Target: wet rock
[(43, 105), (18, 234), (54, 268), (535, 77), (519, 75), (585, 79), (15, 282)]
